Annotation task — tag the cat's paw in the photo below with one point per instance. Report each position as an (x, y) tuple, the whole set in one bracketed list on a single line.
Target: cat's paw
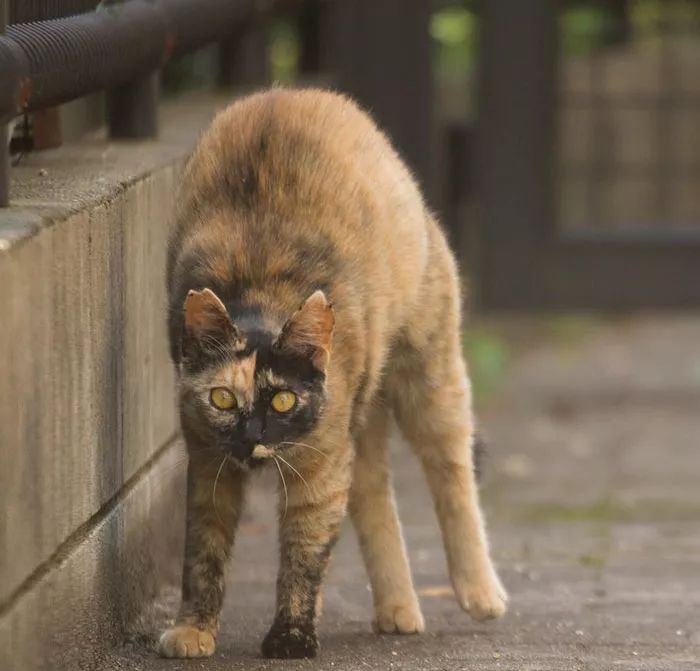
[(398, 619), (296, 641), (483, 599), (186, 641)]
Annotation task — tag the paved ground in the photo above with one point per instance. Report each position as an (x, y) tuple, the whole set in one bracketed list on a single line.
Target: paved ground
[(593, 496)]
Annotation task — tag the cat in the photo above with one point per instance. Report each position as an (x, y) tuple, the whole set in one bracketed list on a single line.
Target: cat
[(312, 296)]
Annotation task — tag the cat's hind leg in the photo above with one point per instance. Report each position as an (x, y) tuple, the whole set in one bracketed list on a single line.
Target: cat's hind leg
[(432, 400), (373, 511)]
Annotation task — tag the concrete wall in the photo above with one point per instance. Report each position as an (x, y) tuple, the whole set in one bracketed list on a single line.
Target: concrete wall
[(91, 478)]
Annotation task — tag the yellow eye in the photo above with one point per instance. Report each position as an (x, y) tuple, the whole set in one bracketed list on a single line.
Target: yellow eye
[(222, 398), (283, 401)]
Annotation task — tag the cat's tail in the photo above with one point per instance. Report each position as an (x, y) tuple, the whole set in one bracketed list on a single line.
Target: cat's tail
[(479, 447)]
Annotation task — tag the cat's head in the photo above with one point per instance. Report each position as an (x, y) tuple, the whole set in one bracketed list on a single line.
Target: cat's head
[(247, 388)]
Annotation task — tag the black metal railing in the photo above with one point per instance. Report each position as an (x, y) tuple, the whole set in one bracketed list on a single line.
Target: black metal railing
[(115, 46), (378, 51), (24, 11)]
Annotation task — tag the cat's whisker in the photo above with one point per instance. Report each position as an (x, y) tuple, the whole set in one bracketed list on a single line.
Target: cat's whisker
[(284, 461), (284, 485), (311, 447), (213, 491)]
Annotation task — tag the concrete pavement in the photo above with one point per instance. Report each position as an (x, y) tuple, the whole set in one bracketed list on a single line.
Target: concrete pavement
[(593, 498)]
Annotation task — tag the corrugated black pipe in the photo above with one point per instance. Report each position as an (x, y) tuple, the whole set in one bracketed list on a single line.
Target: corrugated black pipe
[(194, 24), (23, 11), (51, 62)]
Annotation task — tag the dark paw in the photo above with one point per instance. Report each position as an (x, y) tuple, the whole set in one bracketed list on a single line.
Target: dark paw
[(293, 641)]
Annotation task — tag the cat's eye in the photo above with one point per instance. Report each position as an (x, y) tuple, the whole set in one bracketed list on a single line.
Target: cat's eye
[(283, 401), (222, 398)]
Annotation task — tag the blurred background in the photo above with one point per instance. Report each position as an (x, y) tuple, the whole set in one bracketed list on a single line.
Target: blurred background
[(559, 143)]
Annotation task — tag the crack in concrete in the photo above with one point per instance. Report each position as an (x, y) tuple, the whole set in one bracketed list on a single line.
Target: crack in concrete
[(66, 548)]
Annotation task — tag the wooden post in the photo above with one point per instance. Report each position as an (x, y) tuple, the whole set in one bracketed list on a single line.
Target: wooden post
[(47, 131), (309, 22), (132, 109), (243, 59), (515, 147), (379, 51)]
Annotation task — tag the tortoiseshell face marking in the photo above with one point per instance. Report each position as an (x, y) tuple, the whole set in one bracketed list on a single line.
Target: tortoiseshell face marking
[(244, 386)]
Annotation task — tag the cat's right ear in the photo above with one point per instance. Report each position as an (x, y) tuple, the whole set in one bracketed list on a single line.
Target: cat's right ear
[(309, 331), (208, 327)]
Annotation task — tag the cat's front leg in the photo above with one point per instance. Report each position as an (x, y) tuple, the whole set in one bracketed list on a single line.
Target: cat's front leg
[(214, 502), (310, 518)]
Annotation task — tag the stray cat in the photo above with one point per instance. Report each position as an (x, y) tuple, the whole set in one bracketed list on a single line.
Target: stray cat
[(312, 296)]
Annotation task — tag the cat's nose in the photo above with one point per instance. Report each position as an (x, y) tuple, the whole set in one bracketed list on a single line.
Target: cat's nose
[(243, 449), (252, 431)]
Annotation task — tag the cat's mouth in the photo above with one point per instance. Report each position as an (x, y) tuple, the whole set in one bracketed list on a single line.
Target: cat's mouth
[(263, 452), (260, 455)]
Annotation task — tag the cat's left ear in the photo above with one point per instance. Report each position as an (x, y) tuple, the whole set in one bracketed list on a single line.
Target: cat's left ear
[(309, 331)]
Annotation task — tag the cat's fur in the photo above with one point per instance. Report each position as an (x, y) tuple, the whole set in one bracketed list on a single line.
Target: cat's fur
[(304, 257)]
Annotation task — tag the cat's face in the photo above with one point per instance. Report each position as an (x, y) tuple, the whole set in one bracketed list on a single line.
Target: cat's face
[(250, 393)]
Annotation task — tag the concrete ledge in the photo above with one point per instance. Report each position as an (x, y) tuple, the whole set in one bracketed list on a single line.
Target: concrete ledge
[(86, 392), (81, 602)]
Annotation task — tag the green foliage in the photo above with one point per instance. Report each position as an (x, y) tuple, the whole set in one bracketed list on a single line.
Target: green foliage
[(587, 25), (488, 355), (593, 561), (283, 52), (646, 16), (583, 28), (651, 17), (455, 32), (605, 511), (602, 510), (490, 348)]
